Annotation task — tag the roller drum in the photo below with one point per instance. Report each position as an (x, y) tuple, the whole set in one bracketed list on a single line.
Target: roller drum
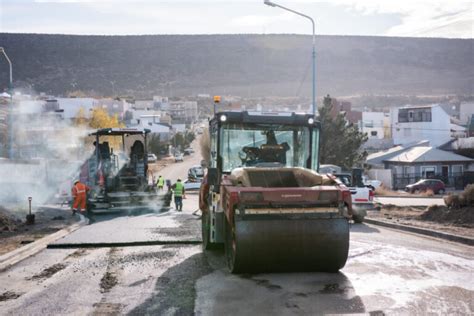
[(276, 244)]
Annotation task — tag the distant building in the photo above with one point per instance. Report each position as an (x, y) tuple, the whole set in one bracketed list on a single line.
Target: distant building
[(429, 162), (373, 124), (146, 105), (466, 111), (183, 111), (115, 107), (71, 106), (415, 123), (346, 107)]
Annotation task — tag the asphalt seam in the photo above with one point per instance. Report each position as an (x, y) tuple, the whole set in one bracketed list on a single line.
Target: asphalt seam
[(423, 231), (124, 244)]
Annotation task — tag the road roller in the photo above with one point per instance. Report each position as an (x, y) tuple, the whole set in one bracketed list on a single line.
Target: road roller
[(263, 200)]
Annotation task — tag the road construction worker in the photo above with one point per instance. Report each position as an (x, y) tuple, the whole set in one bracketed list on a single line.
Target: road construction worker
[(179, 194), (161, 183), (79, 193)]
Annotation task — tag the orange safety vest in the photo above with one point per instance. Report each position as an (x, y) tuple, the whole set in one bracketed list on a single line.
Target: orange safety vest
[(79, 189)]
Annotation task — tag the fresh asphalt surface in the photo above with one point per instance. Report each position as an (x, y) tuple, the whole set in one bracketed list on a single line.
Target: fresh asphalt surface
[(387, 271)]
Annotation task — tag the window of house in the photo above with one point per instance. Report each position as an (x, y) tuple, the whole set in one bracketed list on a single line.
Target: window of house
[(410, 116), (373, 133), (403, 115), (428, 171), (456, 169)]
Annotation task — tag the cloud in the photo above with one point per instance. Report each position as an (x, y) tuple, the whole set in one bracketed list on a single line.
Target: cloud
[(434, 18), (259, 20)]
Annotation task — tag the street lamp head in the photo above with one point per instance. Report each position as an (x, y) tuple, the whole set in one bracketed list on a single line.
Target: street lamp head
[(268, 2), (1, 49)]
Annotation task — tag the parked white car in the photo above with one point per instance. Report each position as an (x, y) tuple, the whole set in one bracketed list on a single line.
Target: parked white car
[(178, 158), (152, 158), (373, 184), (362, 197)]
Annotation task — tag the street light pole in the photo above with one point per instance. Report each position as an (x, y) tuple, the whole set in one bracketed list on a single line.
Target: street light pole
[(272, 4), (10, 120)]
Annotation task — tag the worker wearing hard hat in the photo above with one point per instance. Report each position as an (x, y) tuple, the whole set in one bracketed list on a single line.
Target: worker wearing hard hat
[(79, 193), (179, 194)]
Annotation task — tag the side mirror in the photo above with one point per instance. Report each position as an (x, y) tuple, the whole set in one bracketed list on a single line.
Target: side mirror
[(212, 176)]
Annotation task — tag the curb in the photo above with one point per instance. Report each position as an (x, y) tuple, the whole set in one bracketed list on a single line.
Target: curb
[(427, 232), (13, 257)]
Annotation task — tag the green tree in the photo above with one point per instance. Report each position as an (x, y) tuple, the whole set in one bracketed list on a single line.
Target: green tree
[(340, 140), (154, 145)]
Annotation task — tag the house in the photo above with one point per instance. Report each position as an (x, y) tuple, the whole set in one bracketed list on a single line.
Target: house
[(415, 123), (421, 162)]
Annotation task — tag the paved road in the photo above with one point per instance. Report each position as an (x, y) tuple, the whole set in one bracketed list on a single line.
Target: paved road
[(387, 271)]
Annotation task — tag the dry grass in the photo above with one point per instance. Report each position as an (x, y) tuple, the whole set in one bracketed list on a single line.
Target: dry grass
[(383, 191), (427, 193), (465, 198)]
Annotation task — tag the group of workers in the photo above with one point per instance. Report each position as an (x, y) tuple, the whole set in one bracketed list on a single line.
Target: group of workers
[(79, 195), (177, 189)]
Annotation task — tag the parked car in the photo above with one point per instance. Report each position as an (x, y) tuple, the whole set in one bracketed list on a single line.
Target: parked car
[(191, 185), (373, 184), (188, 151), (152, 158), (362, 197), (178, 158), (195, 173), (437, 186)]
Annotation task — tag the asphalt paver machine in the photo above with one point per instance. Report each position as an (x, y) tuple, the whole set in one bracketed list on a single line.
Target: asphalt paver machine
[(118, 172), (262, 199)]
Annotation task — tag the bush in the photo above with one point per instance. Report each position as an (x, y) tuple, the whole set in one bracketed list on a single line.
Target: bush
[(468, 195), (465, 198)]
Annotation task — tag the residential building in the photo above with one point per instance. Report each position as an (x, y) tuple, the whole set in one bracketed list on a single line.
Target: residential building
[(115, 107), (71, 106), (415, 123), (345, 106), (147, 105), (429, 162), (183, 111), (466, 111), (373, 124)]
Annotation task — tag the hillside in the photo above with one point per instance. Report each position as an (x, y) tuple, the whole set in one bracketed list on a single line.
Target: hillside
[(247, 65)]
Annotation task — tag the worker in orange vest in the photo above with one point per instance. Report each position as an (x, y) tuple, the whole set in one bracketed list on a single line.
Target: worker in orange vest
[(79, 193)]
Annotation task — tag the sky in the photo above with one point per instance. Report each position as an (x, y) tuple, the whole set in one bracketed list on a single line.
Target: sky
[(406, 18)]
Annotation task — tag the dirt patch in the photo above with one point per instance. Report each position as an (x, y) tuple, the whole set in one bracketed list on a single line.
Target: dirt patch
[(14, 232), (463, 216), (108, 281), (8, 222), (8, 295), (48, 272), (439, 218)]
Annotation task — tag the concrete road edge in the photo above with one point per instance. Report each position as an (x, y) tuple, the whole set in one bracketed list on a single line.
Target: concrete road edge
[(13, 257), (423, 231)]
